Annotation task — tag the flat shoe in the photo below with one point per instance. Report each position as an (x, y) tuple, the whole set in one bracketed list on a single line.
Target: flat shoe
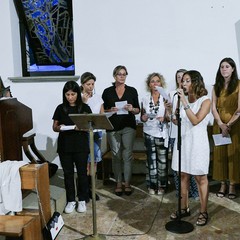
[(220, 194), (119, 191), (128, 191), (232, 192), (222, 191), (232, 195)]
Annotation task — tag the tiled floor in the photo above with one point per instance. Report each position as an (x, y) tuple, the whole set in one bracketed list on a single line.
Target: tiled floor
[(144, 217)]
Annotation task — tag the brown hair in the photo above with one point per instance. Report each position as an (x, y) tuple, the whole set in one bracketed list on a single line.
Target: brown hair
[(118, 68), (197, 81)]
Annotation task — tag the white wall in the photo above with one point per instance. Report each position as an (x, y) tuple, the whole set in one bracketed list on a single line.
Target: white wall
[(143, 35)]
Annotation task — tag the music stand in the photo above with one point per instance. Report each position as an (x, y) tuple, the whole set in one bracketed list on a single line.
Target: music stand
[(179, 226), (90, 122)]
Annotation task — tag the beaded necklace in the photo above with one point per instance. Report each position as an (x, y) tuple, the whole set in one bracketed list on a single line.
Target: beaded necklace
[(153, 108)]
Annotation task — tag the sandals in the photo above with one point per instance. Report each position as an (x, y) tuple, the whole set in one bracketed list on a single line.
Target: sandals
[(118, 191), (222, 192), (202, 219), (232, 192), (128, 190), (184, 213)]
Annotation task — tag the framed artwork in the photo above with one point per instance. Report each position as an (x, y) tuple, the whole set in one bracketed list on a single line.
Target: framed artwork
[(46, 36)]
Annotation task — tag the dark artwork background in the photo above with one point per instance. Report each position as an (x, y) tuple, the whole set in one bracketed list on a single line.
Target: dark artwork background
[(46, 35)]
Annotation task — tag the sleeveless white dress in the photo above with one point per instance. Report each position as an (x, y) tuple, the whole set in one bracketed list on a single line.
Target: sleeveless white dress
[(195, 151)]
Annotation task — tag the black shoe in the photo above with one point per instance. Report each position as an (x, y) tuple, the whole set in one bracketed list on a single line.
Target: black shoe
[(119, 191), (90, 196), (128, 191), (202, 219)]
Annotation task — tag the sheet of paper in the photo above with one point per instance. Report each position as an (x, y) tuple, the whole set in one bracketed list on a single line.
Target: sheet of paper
[(109, 114), (163, 93), (120, 105), (220, 140), (67, 128)]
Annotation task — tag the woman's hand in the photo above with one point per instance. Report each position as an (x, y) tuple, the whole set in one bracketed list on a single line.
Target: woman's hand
[(168, 106), (225, 129), (128, 107), (85, 97), (182, 96), (114, 109), (160, 119)]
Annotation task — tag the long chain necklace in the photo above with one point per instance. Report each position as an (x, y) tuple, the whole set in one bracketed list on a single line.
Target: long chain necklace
[(153, 108)]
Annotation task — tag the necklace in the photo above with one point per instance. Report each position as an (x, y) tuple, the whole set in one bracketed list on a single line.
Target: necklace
[(153, 108)]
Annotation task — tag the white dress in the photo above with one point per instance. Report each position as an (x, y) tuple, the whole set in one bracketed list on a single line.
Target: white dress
[(194, 145)]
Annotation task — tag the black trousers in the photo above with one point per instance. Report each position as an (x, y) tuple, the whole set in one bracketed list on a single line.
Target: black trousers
[(79, 160)]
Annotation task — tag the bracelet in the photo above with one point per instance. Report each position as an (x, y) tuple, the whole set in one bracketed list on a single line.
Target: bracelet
[(186, 107), (171, 116)]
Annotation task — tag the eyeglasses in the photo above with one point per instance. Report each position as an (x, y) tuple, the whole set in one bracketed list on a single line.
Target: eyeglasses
[(155, 81), (121, 74)]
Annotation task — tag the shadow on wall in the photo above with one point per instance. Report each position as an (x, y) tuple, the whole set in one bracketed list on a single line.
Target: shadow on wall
[(50, 152), (237, 27)]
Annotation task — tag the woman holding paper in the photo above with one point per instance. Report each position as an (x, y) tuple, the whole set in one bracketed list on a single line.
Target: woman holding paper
[(226, 109), (122, 100), (73, 146), (155, 130), (194, 112)]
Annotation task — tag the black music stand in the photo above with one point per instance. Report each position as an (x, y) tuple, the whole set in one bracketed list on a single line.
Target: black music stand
[(90, 122), (179, 226)]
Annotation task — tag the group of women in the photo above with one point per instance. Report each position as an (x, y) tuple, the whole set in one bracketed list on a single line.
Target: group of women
[(190, 101)]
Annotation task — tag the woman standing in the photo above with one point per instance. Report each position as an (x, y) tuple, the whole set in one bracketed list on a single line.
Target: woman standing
[(155, 135), (73, 146), (193, 191), (226, 111), (95, 102), (194, 112), (122, 100)]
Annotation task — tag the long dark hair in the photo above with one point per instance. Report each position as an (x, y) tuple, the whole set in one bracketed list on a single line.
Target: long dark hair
[(197, 81), (73, 86), (219, 80)]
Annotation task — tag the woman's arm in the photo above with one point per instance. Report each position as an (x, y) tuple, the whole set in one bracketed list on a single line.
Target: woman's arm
[(201, 114), (214, 109), (236, 114), (102, 109), (56, 127), (224, 127)]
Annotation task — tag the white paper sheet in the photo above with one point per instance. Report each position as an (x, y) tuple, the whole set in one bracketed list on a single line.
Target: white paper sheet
[(109, 114), (163, 93), (120, 105), (67, 128), (220, 140)]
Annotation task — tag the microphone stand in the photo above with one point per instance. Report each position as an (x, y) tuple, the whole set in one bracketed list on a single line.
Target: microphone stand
[(179, 226)]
